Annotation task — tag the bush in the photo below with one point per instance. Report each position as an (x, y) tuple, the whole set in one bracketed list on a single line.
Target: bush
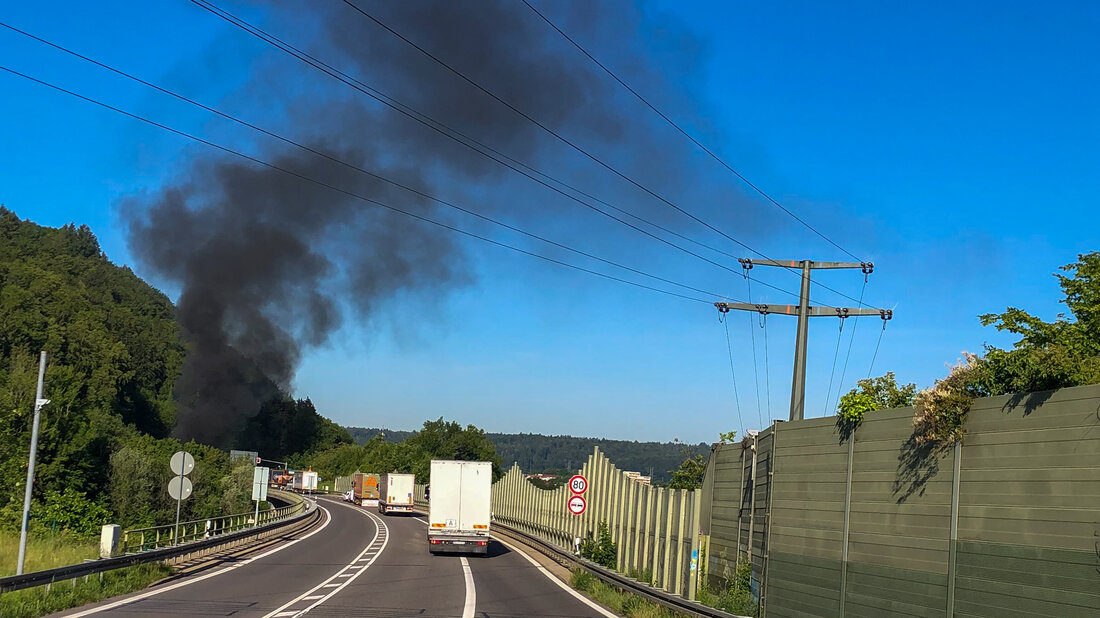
[(854, 406), (601, 550), (940, 410)]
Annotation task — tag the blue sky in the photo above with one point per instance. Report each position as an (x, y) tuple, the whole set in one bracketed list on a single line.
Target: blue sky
[(953, 145)]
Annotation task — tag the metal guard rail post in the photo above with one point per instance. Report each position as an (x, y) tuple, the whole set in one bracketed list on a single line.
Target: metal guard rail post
[(49, 576), (665, 599)]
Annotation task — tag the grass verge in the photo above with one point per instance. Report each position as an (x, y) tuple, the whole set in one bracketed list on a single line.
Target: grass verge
[(618, 600), (44, 552), (39, 601)]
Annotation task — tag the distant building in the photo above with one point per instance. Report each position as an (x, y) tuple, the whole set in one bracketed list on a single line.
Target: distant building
[(249, 455), (638, 478), (541, 477)]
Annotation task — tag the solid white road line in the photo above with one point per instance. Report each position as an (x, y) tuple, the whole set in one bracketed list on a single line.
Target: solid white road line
[(189, 581), (471, 592), (580, 597), (380, 528)]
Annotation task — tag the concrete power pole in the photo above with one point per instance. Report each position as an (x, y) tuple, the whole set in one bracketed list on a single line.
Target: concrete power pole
[(39, 402), (803, 310)]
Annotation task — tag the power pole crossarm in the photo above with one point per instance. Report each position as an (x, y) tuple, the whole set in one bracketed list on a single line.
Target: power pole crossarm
[(831, 312), (866, 267), (803, 310)]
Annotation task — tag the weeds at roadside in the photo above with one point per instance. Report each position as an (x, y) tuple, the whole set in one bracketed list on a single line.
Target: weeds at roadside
[(619, 601), (63, 595)]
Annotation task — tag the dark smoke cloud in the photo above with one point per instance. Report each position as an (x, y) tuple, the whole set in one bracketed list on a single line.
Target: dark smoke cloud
[(269, 266)]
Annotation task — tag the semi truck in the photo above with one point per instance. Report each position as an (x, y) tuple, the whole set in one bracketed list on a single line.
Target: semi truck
[(460, 508), (304, 481), (364, 487), (395, 493)]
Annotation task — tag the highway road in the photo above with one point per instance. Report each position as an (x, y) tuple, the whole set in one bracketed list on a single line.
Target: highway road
[(358, 563)]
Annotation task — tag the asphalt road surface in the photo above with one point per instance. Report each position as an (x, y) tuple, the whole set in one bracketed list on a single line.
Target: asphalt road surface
[(359, 563)]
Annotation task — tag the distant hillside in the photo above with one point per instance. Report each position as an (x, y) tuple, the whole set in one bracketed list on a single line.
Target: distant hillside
[(539, 453)]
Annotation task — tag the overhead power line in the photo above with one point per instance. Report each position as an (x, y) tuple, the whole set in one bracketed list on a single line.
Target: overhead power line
[(457, 136), (686, 134), (345, 192), (353, 166), (563, 139)]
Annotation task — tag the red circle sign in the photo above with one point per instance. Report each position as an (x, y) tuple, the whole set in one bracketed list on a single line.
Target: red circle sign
[(577, 505), (578, 484)]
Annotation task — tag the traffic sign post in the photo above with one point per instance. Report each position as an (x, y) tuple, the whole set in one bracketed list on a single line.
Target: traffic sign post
[(259, 489), (182, 463), (577, 505), (578, 484)]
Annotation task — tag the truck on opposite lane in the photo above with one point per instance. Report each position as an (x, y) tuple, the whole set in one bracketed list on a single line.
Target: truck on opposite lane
[(460, 508)]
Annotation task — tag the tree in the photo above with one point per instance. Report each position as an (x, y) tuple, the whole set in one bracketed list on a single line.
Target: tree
[(1050, 355), (690, 473), (881, 393)]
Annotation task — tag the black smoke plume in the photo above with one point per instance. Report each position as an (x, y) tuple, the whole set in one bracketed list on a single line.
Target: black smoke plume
[(269, 266)]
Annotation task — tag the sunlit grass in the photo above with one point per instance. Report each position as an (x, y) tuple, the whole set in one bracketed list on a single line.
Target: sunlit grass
[(63, 595), (44, 552)]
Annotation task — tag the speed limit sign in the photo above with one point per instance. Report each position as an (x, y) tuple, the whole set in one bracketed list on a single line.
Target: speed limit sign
[(578, 484)]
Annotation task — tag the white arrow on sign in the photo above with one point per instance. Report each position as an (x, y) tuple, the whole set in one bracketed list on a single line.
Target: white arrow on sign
[(577, 505)]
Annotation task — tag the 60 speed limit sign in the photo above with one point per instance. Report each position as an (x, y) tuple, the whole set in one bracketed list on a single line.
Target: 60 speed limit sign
[(578, 484), (577, 505)]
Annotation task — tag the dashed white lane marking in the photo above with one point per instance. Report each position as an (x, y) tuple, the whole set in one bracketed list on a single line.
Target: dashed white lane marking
[(189, 581), (315, 596), (580, 597), (471, 592), (376, 546), (285, 614)]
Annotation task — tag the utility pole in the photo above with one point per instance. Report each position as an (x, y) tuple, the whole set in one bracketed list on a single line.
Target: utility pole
[(38, 403), (803, 310)]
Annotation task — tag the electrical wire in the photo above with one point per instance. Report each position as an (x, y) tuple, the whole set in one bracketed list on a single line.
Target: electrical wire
[(755, 362), (848, 355), (686, 134), (459, 137), (733, 374), (877, 344), (832, 373), (351, 194), (767, 370), (563, 139), (353, 166)]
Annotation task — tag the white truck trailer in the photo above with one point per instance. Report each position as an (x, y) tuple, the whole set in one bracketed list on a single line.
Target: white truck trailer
[(395, 493), (460, 508), (304, 481)]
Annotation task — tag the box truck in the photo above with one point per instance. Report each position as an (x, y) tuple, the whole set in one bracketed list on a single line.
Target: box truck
[(304, 481), (364, 489), (395, 493), (459, 511)]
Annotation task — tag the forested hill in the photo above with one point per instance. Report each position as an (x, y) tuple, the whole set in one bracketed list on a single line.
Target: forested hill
[(539, 453), (114, 351)]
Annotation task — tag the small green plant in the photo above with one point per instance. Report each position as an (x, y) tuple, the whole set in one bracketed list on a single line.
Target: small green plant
[(601, 549), (642, 575), (854, 406)]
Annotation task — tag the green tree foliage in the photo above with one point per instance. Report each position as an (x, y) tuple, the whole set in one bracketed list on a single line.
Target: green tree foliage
[(285, 426), (114, 351), (438, 439), (539, 453), (1048, 355), (690, 473), (601, 549), (870, 394)]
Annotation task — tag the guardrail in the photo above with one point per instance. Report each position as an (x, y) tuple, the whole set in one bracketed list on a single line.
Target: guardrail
[(145, 539), (308, 509), (661, 597)]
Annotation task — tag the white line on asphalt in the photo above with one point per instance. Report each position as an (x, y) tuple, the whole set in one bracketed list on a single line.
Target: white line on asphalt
[(471, 592), (186, 582), (563, 585), (316, 596), (380, 531)]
